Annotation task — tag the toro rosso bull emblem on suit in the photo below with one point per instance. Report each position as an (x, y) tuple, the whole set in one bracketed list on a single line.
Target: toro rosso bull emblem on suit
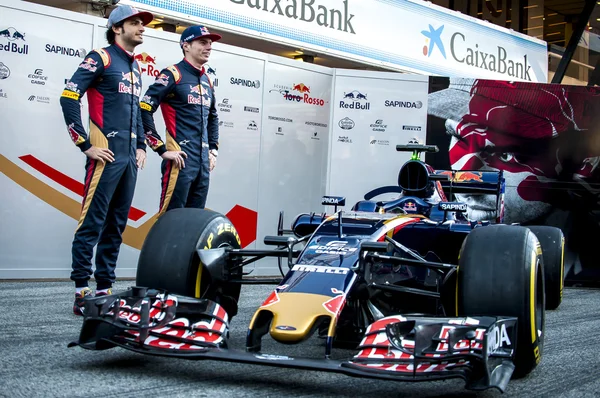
[(411, 292)]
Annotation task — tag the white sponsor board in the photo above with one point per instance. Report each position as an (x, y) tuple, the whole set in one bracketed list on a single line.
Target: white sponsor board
[(409, 35), (295, 136), (372, 113), (34, 235), (279, 138)]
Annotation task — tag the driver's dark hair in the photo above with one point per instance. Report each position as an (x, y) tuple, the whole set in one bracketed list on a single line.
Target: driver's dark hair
[(110, 34)]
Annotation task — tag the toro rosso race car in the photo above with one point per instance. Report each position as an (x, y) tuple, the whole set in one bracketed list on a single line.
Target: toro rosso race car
[(417, 291)]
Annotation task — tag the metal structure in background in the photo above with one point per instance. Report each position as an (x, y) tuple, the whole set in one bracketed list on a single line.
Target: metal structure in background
[(574, 42)]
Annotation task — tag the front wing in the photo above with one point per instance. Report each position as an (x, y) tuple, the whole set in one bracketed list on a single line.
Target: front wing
[(479, 350)]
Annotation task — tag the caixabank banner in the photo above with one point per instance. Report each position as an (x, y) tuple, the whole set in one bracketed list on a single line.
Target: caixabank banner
[(546, 140)]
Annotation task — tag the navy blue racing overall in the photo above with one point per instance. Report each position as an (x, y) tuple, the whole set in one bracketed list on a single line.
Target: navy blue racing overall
[(187, 100), (111, 78)]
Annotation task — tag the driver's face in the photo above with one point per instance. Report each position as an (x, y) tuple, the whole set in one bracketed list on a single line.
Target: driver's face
[(525, 191)]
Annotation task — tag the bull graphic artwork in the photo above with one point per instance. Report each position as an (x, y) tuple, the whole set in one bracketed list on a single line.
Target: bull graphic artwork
[(544, 138)]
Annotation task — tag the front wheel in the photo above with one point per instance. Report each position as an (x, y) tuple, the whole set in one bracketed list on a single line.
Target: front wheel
[(500, 273), (169, 260)]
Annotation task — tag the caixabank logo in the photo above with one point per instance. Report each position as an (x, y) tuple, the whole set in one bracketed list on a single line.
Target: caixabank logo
[(467, 51), (298, 92)]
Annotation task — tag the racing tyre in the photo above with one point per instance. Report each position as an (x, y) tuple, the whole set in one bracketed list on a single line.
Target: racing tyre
[(168, 258), (500, 273), (553, 253)]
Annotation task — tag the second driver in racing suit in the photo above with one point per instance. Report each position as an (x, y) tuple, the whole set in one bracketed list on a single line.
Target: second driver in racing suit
[(186, 97)]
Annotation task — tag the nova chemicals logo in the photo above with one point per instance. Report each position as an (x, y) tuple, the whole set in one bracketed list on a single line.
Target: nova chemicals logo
[(434, 39)]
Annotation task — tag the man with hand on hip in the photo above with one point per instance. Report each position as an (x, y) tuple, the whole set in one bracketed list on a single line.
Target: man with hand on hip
[(115, 147), (186, 97)]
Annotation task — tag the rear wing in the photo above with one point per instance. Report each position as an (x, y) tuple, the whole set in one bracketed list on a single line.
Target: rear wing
[(474, 182)]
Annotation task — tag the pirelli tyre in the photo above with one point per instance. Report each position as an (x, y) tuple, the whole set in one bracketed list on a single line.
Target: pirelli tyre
[(500, 273), (169, 260), (553, 252)]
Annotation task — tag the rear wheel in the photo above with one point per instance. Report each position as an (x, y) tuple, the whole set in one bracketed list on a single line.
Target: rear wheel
[(553, 253), (501, 274), (168, 258)]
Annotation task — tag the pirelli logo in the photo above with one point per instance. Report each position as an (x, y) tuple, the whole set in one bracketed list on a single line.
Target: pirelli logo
[(321, 269), (145, 106), (70, 94)]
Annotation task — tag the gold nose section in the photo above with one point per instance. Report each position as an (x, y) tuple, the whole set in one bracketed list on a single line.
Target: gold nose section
[(295, 314)]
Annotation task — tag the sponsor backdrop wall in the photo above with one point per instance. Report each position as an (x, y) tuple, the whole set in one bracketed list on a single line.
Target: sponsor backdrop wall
[(372, 112), (290, 133), (276, 118)]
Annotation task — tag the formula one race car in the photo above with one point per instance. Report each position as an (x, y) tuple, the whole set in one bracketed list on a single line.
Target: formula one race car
[(417, 290)]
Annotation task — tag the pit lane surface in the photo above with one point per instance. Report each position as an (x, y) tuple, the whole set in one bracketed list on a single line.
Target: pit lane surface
[(37, 324)]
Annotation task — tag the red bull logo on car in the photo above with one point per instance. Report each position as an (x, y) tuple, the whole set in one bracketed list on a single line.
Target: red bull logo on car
[(464, 176), (14, 37), (147, 63), (291, 94), (335, 304)]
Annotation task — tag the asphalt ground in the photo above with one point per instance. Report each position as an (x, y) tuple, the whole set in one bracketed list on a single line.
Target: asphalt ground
[(37, 324)]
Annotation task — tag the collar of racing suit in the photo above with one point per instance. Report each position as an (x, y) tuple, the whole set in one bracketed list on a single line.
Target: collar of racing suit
[(192, 69), (128, 56)]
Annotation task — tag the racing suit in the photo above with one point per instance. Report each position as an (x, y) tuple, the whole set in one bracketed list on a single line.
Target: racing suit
[(112, 80), (187, 100)]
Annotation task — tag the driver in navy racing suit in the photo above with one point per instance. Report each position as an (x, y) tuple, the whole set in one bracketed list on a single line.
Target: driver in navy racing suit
[(186, 97)]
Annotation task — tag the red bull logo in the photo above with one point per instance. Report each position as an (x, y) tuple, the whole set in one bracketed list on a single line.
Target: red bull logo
[(464, 176), (409, 206), (336, 303), (148, 63), (88, 64), (15, 37), (197, 89), (301, 87), (130, 77), (153, 141)]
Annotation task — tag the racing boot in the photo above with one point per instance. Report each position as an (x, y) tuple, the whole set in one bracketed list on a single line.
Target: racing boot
[(78, 305), (105, 292)]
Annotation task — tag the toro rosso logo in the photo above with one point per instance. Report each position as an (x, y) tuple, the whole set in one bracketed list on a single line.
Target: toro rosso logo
[(148, 62), (291, 94)]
